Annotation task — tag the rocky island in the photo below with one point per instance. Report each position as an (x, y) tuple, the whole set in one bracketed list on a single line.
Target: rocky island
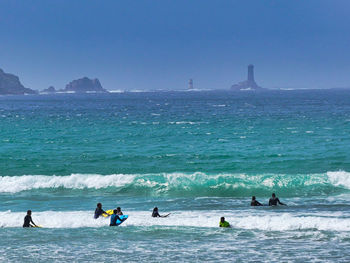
[(10, 85), (248, 84), (49, 90), (85, 85)]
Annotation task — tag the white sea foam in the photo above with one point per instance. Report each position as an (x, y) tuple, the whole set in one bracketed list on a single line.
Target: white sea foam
[(248, 221), (116, 91), (339, 178), (163, 182), (13, 184)]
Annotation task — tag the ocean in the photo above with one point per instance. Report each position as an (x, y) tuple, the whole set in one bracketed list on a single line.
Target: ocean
[(198, 155)]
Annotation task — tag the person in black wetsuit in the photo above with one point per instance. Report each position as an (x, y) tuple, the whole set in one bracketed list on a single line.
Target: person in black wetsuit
[(115, 218), (28, 219), (274, 201), (156, 214), (99, 211), (254, 202), (119, 211)]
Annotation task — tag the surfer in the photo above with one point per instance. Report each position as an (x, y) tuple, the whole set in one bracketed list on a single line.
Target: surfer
[(254, 202), (119, 211), (156, 214), (274, 201), (28, 219), (99, 211), (224, 223), (115, 218)]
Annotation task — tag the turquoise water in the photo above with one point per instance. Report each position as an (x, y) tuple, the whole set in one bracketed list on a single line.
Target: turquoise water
[(196, 155)]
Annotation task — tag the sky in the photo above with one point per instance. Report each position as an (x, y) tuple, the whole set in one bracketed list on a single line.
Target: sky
[(160, 44)]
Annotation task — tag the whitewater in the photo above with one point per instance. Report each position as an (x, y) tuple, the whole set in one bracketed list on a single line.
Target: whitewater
[(196, 155), (181, 183), (284, 221)]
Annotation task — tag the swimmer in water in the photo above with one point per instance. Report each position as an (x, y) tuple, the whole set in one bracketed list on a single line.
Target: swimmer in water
[(119, 211), (155, 213), (28, 219), (275, 201), (224, 223), (99, 211), (254, 202)]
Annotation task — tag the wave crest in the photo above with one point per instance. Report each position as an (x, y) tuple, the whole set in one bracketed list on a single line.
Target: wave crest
[(182, 184)]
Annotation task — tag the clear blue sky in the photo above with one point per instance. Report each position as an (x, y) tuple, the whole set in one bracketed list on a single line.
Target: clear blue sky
[(161, 44)]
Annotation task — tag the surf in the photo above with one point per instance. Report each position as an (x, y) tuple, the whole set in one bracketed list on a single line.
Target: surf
[(247, 220), (186, 184)]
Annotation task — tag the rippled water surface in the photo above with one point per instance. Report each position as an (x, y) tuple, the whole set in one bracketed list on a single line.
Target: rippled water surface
[(196, 155)]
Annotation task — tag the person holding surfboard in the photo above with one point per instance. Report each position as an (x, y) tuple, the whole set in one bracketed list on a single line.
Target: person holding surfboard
[(115, 218), (156, 214), (99, 211), (28, 219)]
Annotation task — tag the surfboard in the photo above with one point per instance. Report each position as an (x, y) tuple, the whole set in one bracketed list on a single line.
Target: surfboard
[(122, 217), (108, 213), (38, 226)]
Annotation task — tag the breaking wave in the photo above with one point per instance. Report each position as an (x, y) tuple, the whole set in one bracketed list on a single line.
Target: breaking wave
[(265, 222), (182, 184)]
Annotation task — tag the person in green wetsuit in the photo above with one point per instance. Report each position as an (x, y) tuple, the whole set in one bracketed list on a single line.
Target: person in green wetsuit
[(224, 223)]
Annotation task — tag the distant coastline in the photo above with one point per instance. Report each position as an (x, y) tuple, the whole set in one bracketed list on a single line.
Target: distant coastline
[(10, 85)]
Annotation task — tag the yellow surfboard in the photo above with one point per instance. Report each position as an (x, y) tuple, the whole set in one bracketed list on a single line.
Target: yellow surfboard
[(108, 213)]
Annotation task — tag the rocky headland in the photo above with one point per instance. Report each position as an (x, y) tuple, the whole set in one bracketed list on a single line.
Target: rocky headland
[(49, 90), (10, 85)]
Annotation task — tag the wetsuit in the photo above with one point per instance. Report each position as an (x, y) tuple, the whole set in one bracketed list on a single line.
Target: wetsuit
[(114, 219), (224, 224), (27, 221), (255, 203), (155, 214), (275, 201), (98, 212)]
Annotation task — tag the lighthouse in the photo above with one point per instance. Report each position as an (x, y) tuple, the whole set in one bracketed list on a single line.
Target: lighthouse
[(248, 84), (190, 84), (251, 72)]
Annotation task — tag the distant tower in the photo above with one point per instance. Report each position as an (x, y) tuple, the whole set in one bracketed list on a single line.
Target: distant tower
[(248, 84), (250, 72), (190, 84)]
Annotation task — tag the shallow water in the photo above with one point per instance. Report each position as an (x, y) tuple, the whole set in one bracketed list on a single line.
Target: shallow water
[(196, 155)]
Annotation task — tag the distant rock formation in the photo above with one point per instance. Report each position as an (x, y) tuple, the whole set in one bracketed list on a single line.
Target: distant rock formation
[(10, 85), (248, 84), (49, 90), (85, 85)]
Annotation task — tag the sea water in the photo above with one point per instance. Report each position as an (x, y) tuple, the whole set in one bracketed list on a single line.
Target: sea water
[(196, 155)]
